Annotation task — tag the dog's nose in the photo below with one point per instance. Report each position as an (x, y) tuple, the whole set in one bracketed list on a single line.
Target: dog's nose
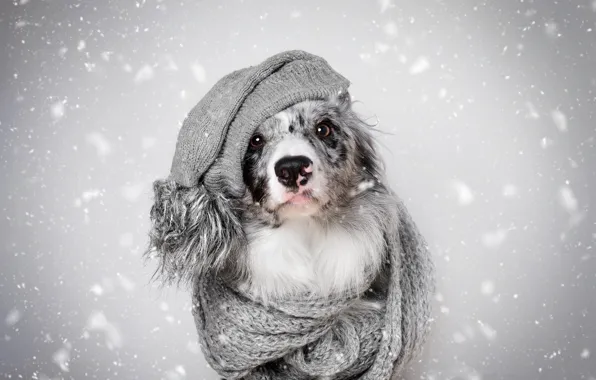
[(293, 171)]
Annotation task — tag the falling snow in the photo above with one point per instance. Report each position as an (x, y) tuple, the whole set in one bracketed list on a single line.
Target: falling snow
[(420, 65), (483, 113), (198, 72), (560, 120), (459, 337), (177, 373), (97, 290), (12, 317), (532, 112), (126, 283), (144, 74), (488, 332), (510, 191), (567, 199), (148, 142), (494, 239), (133, 192), (62, 357), (488, 287), (551, 29), (386, 4), (98, 322), (126, 239), (546, 142), (381, 47), (101, 144), (390, 29), (464, 193), (57, 110)]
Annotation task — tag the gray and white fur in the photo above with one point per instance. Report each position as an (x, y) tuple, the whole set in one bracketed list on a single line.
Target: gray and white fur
[(324, 242)]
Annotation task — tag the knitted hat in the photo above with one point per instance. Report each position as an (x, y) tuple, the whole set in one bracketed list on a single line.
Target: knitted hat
[(215, 135)]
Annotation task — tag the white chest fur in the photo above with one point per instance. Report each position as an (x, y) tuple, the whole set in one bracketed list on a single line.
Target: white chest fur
[(302, 255)]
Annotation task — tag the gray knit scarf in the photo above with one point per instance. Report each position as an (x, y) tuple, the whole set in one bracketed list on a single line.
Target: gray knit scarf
[(313, 338)]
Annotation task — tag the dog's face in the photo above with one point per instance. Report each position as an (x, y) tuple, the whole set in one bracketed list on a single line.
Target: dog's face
[(307, 158)]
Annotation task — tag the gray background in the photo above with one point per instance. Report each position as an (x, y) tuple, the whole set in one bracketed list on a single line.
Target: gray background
[(488, 109)]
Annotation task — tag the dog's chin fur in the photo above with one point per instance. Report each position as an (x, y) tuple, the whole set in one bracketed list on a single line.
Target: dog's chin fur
[(321, 254)]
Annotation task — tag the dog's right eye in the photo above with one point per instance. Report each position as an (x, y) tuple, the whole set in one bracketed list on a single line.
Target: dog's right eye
[(323, 130), (257, 141)]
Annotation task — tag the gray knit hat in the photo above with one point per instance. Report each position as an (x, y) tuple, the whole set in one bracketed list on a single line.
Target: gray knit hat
[(214, 136)]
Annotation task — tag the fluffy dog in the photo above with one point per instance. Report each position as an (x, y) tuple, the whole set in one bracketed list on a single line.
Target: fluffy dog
[(310, 220), (311, 215), (303, 263)]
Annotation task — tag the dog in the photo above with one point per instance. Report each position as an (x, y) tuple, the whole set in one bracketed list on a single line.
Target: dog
[(301, 258), (311, 214), (310, 221)]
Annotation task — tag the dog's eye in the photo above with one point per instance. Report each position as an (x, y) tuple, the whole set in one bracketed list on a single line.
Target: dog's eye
[(257, 141), (323, 130)]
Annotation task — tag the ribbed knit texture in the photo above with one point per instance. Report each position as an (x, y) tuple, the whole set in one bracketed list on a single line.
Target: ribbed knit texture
[(305, 338), (215, 134)]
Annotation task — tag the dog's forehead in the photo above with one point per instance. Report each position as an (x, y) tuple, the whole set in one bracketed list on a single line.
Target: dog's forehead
[(298, 116)]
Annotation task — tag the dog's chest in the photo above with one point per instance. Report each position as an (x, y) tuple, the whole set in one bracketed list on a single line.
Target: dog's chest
[(302, 255)]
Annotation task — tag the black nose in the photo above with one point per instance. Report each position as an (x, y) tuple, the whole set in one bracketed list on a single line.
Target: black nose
[(289, 168)]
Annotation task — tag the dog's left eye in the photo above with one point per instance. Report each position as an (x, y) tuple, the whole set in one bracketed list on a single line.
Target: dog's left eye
[(323, 129), (257, 141)]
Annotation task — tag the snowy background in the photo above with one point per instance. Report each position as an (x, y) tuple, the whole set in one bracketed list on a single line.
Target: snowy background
[(490, 112)]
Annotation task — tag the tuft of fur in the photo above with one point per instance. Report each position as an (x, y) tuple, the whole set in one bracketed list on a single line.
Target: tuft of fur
[(192, 231)]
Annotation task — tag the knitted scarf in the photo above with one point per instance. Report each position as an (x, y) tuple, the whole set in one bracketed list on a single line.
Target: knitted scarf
[(321, 338)]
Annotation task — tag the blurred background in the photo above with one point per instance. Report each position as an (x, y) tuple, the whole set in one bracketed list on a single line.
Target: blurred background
[(488, 116)]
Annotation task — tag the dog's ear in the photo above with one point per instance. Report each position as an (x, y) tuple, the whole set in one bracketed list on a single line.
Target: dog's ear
[(192, 231), (365, 145)]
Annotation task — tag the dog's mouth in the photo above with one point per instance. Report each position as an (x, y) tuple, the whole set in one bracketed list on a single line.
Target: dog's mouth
[(301, 198)]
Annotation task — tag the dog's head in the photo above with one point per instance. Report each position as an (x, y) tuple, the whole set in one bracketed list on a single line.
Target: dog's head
[(310, 157)]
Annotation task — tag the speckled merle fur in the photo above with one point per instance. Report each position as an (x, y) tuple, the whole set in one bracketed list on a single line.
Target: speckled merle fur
[(348, 156)]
